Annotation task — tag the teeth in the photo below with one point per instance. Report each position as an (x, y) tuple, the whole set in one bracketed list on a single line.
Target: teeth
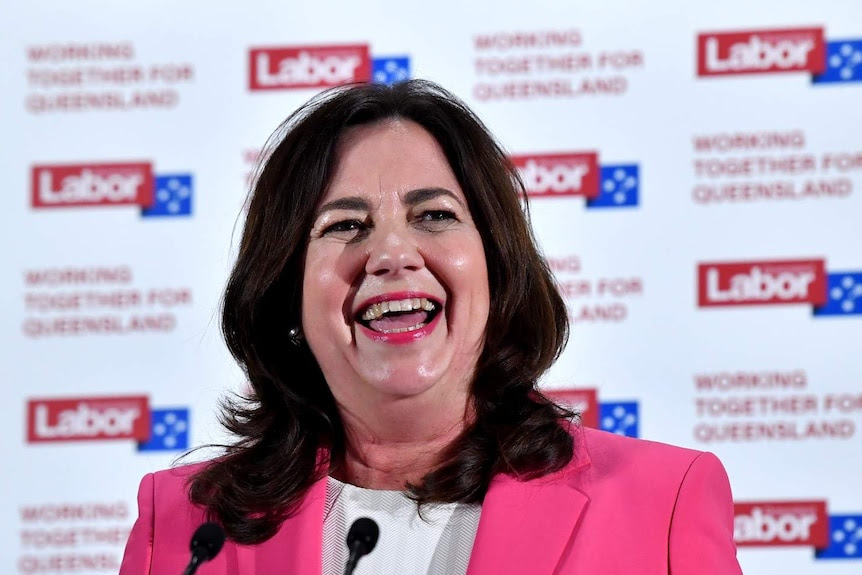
[(376, 311), (402, 329)]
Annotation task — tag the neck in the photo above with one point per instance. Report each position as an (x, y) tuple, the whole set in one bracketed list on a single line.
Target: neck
[(398, 442)]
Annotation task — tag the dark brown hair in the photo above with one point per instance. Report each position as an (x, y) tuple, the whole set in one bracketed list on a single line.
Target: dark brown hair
[(290, 419)]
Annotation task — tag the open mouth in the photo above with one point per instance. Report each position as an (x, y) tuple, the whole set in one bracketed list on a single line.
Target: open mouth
[(399, 316)]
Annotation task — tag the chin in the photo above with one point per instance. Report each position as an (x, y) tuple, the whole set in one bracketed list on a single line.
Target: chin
[(405, 383)]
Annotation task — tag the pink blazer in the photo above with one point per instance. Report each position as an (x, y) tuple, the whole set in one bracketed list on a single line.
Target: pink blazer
[(622, 506)]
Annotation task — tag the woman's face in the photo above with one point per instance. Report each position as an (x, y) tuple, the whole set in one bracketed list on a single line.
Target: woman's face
[(395, 289)]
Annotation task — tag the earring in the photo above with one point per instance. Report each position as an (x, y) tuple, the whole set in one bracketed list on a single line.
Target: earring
[(294, 335)]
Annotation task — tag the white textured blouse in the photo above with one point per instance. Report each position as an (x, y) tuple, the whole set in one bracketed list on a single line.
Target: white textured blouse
[(438, 543)]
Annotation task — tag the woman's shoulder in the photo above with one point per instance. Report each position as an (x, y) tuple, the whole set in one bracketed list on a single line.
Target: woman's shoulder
[(631, 459), (606, 444), (163, 496), (163, 508), (169, 487), (180, 474)]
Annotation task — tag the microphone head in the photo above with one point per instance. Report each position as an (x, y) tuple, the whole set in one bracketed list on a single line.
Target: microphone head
[(363, 534), (207, 541)]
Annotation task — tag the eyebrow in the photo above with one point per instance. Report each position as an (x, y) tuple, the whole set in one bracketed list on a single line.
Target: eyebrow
[(411, 198), (348, 203), (420, 195)]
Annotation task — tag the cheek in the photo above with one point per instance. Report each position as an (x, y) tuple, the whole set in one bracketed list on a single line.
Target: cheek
[(462, 252), (471, 265), (327, 286), (328, 268), (319, 287), (466, 275)]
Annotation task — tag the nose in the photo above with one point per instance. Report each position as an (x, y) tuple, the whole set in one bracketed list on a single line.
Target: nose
[(392, 250)]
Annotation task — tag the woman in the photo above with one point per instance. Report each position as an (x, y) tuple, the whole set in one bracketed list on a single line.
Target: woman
[(393, 316)]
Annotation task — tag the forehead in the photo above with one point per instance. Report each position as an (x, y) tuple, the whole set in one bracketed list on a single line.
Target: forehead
[(391, 156)]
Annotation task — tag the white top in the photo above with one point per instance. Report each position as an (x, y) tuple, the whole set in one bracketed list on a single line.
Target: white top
[(438, 543)]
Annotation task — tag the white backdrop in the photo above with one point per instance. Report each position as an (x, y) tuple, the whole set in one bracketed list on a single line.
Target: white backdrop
[(714, 197)]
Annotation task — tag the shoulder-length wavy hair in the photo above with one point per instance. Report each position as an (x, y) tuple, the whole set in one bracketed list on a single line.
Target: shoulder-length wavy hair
[(291, 417)]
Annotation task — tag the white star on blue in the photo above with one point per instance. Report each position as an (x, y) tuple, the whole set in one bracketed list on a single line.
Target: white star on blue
[(843, 63), (169, 431), (390, 69), (845, 538), (618, 188), (173, 196), (620, 417), (844, 295)]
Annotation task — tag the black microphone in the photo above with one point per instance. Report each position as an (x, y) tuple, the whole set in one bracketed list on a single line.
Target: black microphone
[(361, 540), (206, 543)]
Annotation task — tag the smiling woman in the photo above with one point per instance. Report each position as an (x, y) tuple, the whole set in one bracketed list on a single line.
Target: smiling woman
[(372, 197), (394, 257), (393, 316)]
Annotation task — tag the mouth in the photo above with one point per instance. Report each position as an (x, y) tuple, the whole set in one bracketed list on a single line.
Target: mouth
[(394, 316)]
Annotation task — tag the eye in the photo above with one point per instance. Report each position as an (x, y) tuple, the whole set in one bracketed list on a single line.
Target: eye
[(436, 219), (345, 229), (437, 215)]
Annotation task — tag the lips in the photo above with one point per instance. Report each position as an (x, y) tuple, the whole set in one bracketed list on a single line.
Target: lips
[(398, 313)]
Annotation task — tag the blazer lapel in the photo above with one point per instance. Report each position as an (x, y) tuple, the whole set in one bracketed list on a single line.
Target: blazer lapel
[(296, 548), (526, 526)]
